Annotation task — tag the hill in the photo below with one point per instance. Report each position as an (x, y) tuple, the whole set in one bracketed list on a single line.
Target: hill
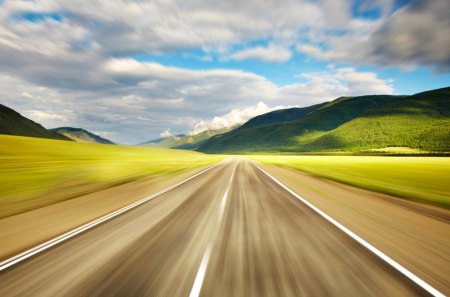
[(280, 116), (165, 142), (81, 135), (13, 123), (420, 121), (182, 141)]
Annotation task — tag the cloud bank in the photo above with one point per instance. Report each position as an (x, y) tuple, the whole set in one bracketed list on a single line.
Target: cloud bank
[(146, 98), (73, 62), (413, 36)]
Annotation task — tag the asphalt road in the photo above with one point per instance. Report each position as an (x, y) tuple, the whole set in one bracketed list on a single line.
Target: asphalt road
[(231, 231)]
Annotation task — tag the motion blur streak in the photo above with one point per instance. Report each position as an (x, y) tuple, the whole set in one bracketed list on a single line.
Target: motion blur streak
[(269, 244), (196, 289), (364, 243), (46, 245)]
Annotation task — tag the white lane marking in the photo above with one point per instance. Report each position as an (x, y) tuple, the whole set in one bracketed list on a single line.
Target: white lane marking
[(198, 283), (52, 242), (197, 287), (424, 285)]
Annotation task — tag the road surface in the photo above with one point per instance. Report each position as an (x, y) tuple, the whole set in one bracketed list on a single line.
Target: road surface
[(231, 231)]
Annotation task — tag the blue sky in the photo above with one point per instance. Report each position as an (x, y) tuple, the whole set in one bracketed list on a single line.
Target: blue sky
[(405, 81), (136, 70)]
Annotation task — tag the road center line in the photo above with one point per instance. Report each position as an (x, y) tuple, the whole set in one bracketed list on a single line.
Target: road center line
[(52, 242), (424, 285), (198, 283)]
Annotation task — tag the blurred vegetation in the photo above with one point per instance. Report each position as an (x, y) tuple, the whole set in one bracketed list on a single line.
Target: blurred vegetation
[(37, 172), (418, 178)]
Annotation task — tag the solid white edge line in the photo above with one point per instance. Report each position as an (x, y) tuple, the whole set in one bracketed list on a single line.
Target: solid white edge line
[(198, 282), (52, 242), (424, 285)]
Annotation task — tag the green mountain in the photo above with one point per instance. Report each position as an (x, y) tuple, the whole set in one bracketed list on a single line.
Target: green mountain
[(420, 121), (165, 142), (13, 123), (81, 135), (280, 116), (187, 142)]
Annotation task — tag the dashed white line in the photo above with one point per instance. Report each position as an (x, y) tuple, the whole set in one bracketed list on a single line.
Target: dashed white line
[(424, 285), (198, 283), (197, 287), (52, 242)]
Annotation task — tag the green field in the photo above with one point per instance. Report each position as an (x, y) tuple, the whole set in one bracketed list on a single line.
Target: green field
[(37, 172), (425, 179)]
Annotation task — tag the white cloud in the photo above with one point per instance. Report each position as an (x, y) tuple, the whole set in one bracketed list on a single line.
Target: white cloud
[(40, 116), (146, 98), (415, 35), (232, 118), (69, 72), (130, 26), (105, 134), (27, 95), (336, 12), (276, 54), (93, 31), (319, 87), (348, 81), (166, 133)]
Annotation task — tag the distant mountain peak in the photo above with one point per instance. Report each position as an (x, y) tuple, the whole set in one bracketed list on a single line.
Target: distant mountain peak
[(81, 135), (183, 141)]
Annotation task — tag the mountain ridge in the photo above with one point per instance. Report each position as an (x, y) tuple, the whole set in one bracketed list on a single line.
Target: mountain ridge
[(81, 135), (348, 124), (183, 141), (13, 123)]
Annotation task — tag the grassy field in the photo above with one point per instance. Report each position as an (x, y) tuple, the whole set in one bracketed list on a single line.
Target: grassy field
[(417, 178), (37, 172)]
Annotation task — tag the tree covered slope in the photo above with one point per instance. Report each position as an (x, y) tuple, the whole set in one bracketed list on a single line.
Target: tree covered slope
[(360, 123)]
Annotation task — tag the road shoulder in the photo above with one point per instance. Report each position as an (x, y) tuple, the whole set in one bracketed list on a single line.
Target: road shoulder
[(416, 240), (26, 230)]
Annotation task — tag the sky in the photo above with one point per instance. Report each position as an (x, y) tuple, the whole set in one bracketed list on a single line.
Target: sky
[(133, 70)]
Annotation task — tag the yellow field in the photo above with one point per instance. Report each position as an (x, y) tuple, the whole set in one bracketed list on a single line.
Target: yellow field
[(37, 172), (418, 178), (398, 150)]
